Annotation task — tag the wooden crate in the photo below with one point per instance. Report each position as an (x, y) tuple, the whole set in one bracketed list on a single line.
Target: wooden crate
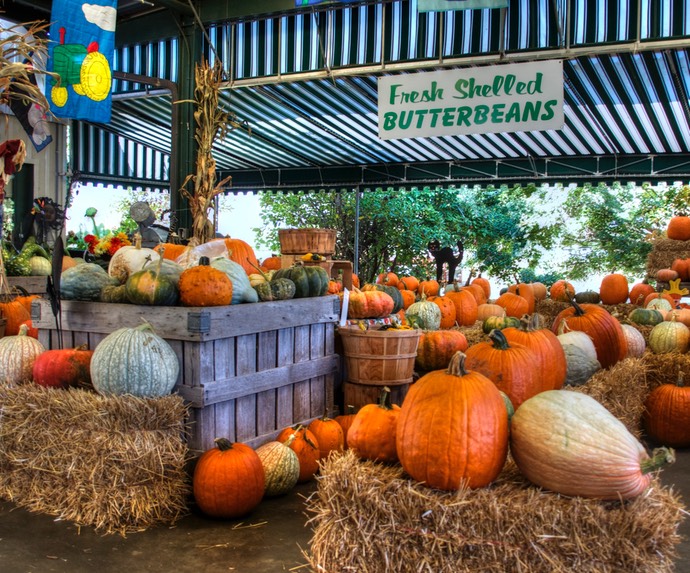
[(32, 285), (246, 370)]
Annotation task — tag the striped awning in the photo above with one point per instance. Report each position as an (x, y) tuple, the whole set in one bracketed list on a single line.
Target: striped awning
[(305, 86)]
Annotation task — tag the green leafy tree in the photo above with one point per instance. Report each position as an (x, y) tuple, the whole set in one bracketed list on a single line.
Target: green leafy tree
[(498, 227), (611, 228)]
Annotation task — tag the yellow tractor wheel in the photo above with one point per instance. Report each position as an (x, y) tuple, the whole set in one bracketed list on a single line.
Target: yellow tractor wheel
[(95, 76), (58, 96)]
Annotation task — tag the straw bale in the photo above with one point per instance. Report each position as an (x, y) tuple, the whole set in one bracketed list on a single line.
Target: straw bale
[(370, 518), (664, 252), (622, 389), (114, 463), (550, 309), (474, 333), (664, 368)]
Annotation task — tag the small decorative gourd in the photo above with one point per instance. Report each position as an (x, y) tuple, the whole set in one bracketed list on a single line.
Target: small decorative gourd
[(569, 443), (18, 353), (202, 285), (229, 480), (134, 361), (281, 466)]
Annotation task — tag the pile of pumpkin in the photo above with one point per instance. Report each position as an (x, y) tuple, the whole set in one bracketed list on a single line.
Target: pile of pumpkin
[(216, 273)]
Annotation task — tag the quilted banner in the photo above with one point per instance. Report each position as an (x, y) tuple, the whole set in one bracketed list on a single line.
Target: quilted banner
[(444, 5), (82, 38)]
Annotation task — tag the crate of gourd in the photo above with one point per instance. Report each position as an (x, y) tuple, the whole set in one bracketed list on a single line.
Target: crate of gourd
[(220, 272)]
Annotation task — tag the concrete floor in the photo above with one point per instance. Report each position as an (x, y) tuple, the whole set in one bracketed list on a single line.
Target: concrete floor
[(271, 540)]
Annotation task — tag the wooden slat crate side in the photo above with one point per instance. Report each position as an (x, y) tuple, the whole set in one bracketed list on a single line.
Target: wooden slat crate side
[(284, 400), (245, 409), (189, 323), (266, 401)]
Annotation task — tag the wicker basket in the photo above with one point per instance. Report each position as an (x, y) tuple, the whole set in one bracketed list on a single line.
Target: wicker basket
[(379, 357), (302, 241)]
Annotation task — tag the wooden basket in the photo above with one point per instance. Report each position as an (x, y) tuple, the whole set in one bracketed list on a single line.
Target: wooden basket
[(379, 357), (303, 241)]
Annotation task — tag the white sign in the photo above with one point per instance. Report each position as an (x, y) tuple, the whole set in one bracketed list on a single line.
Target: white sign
[(491, 99)]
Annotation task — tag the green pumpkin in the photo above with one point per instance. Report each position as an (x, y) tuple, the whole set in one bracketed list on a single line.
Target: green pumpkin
[(499, 323), (588, 296), (275, 289), (309, 280), (134, 361), (242, 290), (151, 288), (85, 282), (424, 314), (114, 294), (645, 316)]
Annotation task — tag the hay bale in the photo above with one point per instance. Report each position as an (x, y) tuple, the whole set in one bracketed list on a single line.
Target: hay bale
[(474, 333), (622, 389), (114, 463), (369, 518), (664, 252), (664, 368), (550, 309)]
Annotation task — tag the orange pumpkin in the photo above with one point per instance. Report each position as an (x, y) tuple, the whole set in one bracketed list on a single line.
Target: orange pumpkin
[(486, 310), (681, 267), (602, 327), (429, 287), (204, 285), (306, 446), (408, 283), (68, 262), (679, 228), (666, 416), (486, 286), (437, 347), (369, 304), (639, 292), (228, 480), (659, 295), (329, 435), (170, 250), (408, 297), (547, 349), (614, 289), (372, 433), (63, 368), (540, 291), (666, 275), (242, 253), (514, 304), (562, 291), (345, 420), (447, 310), (453, 429), (526, 291), (355, 280), (15, 313), (388, 279), (477, 291), (272, 263), (511, 366), (465, 306)]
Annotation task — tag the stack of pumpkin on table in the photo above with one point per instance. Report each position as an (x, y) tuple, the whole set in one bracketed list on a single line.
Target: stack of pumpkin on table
[(217, 273)]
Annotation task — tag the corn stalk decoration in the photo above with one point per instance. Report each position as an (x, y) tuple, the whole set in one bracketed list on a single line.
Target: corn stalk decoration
[(211, 123), (23, 53)]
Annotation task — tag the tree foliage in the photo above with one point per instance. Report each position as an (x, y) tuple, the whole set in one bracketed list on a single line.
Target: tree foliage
[(497, 226)]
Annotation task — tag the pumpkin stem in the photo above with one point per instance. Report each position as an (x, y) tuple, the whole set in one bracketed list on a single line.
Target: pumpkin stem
[(385, 398), (680, 381), (499, 339), (577, 307), (456, 366), (223, 444), (204, 262), (291, 438), (660, 457), (137, 240)]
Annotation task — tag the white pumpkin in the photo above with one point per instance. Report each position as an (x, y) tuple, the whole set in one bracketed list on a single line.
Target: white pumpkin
[(17, 356), (636, 341), (130, 259)]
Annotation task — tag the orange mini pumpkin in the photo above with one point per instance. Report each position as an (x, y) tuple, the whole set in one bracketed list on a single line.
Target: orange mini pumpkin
[(372, 433), (306, 446), (329, 435), (204, 285)]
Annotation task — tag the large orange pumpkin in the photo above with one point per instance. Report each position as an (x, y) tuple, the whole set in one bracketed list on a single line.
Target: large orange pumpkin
[(666, 417), (170, 250), (679, 228), (511, 366), (408, 283), (681, 267), (482, 282), (614, 289), (429, 287), (547, 349), (514, 304), (466, 307), (228, 480), (453, 429), (603, 328)]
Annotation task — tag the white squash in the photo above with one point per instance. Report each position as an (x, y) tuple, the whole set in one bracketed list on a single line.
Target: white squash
[(130, 259)]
